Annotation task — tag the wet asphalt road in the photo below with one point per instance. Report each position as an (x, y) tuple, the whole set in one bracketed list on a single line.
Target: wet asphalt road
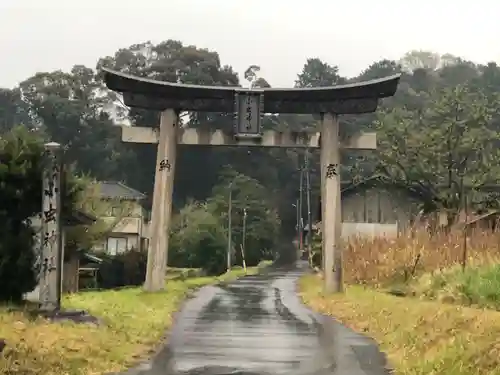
[(257, 325)]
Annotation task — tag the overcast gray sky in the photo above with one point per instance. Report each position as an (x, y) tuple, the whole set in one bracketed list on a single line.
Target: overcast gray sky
[(278, 35)]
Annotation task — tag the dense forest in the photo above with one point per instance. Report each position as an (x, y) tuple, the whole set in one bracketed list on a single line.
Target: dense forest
[(438, 134)]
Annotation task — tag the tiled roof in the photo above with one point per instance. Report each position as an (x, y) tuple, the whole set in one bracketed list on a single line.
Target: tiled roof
[(113, 189), (79, 217)]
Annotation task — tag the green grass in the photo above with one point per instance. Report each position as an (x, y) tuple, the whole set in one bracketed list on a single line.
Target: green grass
[(134, 324), (419, 337), (474, 286)]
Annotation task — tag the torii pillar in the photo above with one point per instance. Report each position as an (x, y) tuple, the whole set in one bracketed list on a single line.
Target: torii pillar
[(162, 201), (248, 107), (331, 203)]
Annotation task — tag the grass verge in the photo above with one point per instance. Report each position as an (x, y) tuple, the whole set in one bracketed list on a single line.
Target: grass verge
[(134, 324), (472, 286), (419, 337)]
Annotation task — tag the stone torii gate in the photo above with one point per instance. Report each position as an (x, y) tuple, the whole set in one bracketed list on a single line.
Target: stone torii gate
[(248, 106)]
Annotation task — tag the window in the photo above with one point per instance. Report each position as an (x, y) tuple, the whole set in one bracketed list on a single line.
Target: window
[(144, 244), (116, 211), (116, 245)]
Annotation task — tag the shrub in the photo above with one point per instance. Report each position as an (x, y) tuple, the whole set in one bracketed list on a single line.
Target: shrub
[(477, 286), (21, 166), (316, 257), (20, 199), (17, 259), (126, 269)]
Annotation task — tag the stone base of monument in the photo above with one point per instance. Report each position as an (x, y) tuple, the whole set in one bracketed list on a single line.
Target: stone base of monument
[(76, 316)]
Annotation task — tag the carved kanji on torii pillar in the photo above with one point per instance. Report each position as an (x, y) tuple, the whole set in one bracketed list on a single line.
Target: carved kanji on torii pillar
[(248, 106)]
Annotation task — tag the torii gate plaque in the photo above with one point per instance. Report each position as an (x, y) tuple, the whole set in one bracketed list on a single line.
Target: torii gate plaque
[(248, 106)]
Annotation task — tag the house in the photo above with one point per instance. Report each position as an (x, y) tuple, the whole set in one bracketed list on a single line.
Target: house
[(72, 254), (374, 208), (488, 220), (121, 209), (88, 270)]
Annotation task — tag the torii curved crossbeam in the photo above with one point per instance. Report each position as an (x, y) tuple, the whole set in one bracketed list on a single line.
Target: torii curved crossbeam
[(352, 98)]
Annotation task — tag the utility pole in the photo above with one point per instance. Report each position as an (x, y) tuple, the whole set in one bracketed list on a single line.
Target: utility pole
[(243, 241), (229, 227), (301, 231), (297, 220), (308, 198), (465, 214)]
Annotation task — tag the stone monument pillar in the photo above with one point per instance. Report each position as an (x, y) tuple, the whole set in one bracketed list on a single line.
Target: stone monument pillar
[(51, 245)]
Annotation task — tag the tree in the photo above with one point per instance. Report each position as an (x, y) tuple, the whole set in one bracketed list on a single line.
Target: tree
[(172, 61), (458, 72), (198, 239), (20, 199), (72, 111), (418, 59), (13, 110), (262, 223), (21, 166), (253, 78), (316, 73), (380, 69), (439, 152)]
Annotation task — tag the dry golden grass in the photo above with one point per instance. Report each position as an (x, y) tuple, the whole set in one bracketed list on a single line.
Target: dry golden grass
[(379, 261), (133, 325), (418, 337)]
